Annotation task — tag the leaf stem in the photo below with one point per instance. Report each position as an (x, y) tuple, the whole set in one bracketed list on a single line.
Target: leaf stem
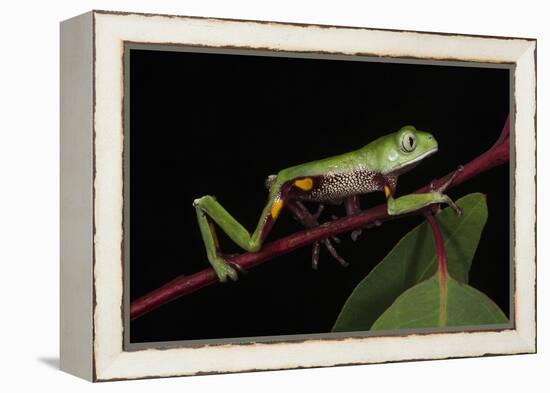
[(439, 245), (441, 265)]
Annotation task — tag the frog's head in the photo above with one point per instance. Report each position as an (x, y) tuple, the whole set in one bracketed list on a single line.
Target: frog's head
[(404, 149)]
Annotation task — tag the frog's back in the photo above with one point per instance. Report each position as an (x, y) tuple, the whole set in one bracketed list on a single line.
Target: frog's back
[(326, 180), (331, 165)]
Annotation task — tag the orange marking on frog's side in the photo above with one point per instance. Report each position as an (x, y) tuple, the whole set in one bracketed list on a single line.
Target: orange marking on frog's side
[(276, 208), (387, 191), (305, 184)]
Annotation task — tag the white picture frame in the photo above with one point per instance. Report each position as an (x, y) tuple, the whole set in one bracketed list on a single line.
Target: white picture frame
[(92, 196)]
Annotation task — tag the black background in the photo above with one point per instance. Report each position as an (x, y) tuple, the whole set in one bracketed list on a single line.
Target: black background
[(218, 124)]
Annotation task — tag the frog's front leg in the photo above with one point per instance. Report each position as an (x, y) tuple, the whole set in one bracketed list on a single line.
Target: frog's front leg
[(208, 209), (412, 202)]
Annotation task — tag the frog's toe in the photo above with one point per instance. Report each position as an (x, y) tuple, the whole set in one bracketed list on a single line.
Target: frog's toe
[(330, 248), (451, 178), (237, 267), (315, 255), (334, 253), (224, 270)]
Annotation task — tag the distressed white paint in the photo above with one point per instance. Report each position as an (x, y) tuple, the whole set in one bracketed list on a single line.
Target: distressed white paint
[(112, 362), (76, 172), (525, 196)]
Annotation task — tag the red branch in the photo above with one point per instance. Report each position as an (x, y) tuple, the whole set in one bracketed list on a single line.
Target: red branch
[(184, 285)]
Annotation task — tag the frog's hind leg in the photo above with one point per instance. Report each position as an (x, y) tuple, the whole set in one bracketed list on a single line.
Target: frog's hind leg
[(210, 239), (308, 220), (209, 211)]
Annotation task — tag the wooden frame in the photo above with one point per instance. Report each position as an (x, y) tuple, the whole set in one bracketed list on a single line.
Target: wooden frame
[(92, 202)]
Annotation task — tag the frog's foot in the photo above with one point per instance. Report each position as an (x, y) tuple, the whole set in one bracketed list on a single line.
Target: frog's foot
[(315, 255), (228, 259), (224, 269), (334, 254), (237, 267), (373, 224), (331, 250), (355, 234), (452, 205), (309, 220), (447, 182), (444, 198)]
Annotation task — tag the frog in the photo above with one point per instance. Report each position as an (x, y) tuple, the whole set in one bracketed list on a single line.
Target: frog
[(375, 167)]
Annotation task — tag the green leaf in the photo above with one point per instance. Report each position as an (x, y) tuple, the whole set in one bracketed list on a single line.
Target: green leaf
[(426, 306), (412, 260)]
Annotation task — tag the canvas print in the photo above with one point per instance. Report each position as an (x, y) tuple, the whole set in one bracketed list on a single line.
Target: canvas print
[(283, 196)]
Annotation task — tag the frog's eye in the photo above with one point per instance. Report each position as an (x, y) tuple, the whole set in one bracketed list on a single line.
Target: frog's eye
[(408, 142)]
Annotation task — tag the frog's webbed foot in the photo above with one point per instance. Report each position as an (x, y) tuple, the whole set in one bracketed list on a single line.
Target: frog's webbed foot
[(228, 259), (355, 234), (441, 189), (453, 205), (308, 220), (373, 224), (224, 269), (330, 249), (447, 182), (237, 267)]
